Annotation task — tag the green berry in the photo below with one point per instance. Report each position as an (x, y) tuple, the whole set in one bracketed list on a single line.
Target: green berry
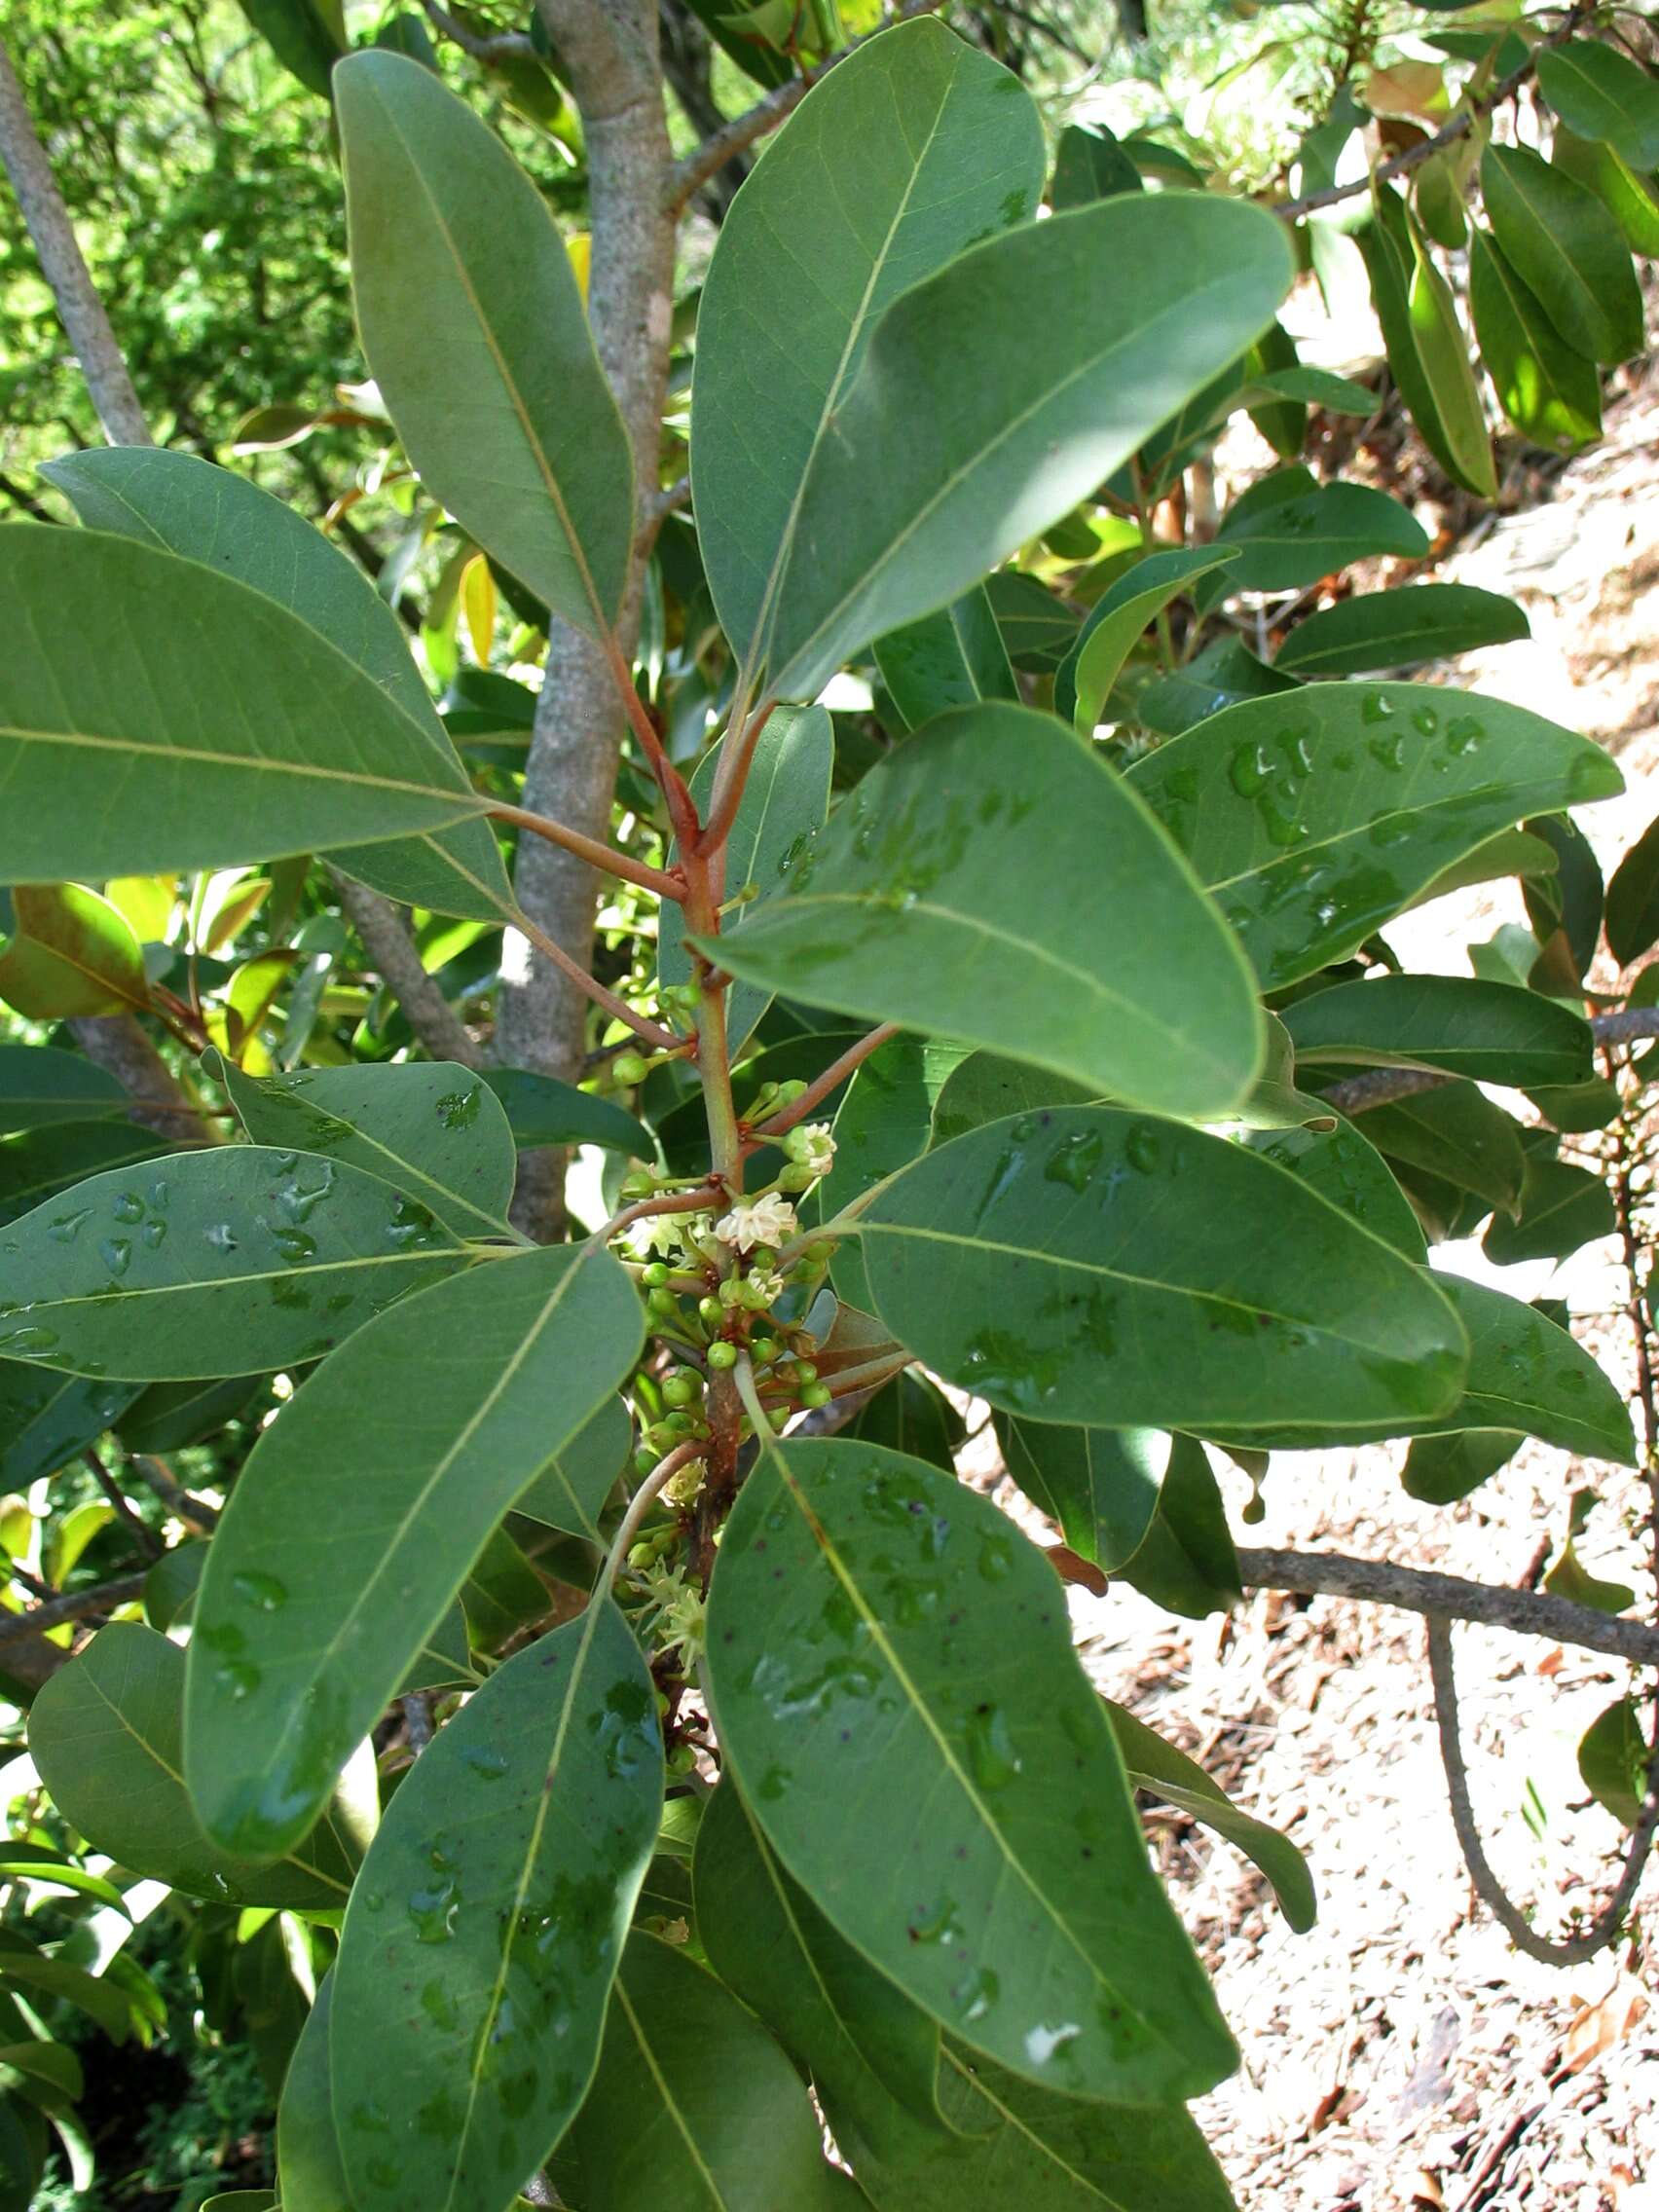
[(711, 1312), (816, 1255), (721, 1354), (662, 1703), (644, 1463), (805, 1372), (765, 1351), (816, 1394), (663, 1301), (642, 1556), (654, 1275), (682, 1760), (780, 1417), (789, 1093), (680, 1389), (630, 1068)]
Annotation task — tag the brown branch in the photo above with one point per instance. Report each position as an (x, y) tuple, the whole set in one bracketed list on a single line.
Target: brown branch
[(1571, 1950), (660, 1040), (503, 46), (712, 156), (102, 1598), (1381, 1086), (1416, 1590), (183, 1504), (142, 1535), (393, 949), (594, 851), (117, 1044), (822, 1085)]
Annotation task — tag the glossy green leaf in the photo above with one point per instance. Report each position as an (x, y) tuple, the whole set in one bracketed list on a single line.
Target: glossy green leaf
[(1566, 250), (262, 1258), (1601, 93), (105, 1736), (308, 2165), (40, 1088), (1400, 629), (211, 726), (570, 1490), (70, 952), (885, 1119), (185, 505), (433, 1128), (1081, 1265), (1296, 539), (47, 1419), (502, 1593), (1571, 1579), (1562, 1207), (1633, 899), (907, 152), (34, 1165), (1441, 1469), (1313, 825), (1037, 627), (1630, 199), (482, 1935), (933, 478), (1487, 1031), (1123, 610), (307, 36), (985, 1087), (169, 1415), (23, 1967), (1443, 353), (1187, 1562), (1219, 675), (908, 1415), (1089, 164), (19, 2164), (1551, 393), (1390, 264), (541, 1110), (1099, 1486), (937, 896), (1613, 1759), (172, 1583), (693, 2105), (949, 659), (872, 2055), (785, 797), (443, 1410), (855, 1594), (1456, 1134), (1346, 1168), (462, 283), (1157, 1767)]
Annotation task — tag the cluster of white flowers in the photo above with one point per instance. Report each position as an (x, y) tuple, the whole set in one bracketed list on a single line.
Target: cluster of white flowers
[(768, 1220)]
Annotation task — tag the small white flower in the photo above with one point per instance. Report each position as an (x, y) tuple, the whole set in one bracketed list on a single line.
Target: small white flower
[(812, 1147), (764, 1287), (659, 1233), (769, 1220)]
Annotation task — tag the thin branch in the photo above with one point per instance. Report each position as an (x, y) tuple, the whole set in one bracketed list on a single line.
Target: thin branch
[(142, 1535), (822, 1085), (391, 946), (712, 156), (732, 773), (1605, 1927), (118, 1044), (65, 270), (102, 1598), (1381, 1086), (1415, 1590), (597, 854), (682, 809), (1449, 133), (640, 1504), (702, 1200), (660, 1040), (503, 46), (183, 1504)]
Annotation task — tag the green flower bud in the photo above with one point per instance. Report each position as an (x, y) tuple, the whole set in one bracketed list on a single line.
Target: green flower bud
[(819, 1254), (711, 1312), (637, 1184), (765, 1349), (780, 1417), (816, 1394), (721, 1354), (805, 1372), (789, 1093), (645, 1461), (680, 1388), (654, 1275), (630, 1068), (663, 1301), (640, 1556)]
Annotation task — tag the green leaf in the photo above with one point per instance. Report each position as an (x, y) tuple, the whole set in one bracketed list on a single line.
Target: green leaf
[(693, 2104), (1441, 1469), (910, 150), (937, 898), (169, 1415), (433, 1129), (210, 515), (1400, 629), (1601, 94), (1091, 164), (48, 1419), (1314, 825), (1491, 1032), (872, 2056), (1222, 675), (23, 1967), (571, 1492), (70, 952), (263, 1259), (308, 2165), (884, 1120), (1391, 264), (1157, 1767), (1443, 353), (1633, 899), (444, 1410), (1566, 250), (462, 283), (1456, 1134), (19, 2172), (44, 1160), (210, 727), (1552, 394), (41, 1088), (1037, 628), (853, 1594), (540, 1110), (1569, 1578), (1087, 675), (1613, 1759), (1562, 1207), (502, 1595), (908, 1415), (932, 479), (484, 1933), (105, 1737), (785, 797), (1296, 540), (1089, 1265), (1630, 199), (953, 658), (1099, 1486), (171, 1584), (1346, 1169), (1187, 1562), (307, 36), (985, 1087)]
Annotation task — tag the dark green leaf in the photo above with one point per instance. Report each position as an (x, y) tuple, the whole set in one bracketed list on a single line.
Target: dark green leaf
[(1296, 540), (1223, 674), (1488, 1031), (540, 1110), (1455, 1133), (1081, 1265), (1346, 1168), (1123, 610), (1566, 250), (1091, 164), (1633, 899), (1099, 1486), (908, 1415), (307, 2150), (1562, 1207), (1551, 393), (1630, 199), (1399, 629), (1187, 1562), (307, 36), (40, 1088), (1441, 1469), (1443, 353), (1390, 264), (985, 1087), (443, 1410), (169, 1415), (1037, 628), (855, 1594), (948, 659), (1315, 823), (571, 1492), (462, 283), (937, 899), (105, 1736), (484, 1933), (1601, 93), (884, 1119), (1569, 1578), (1613, 1758), (47, 1419), (237, 1259), (106, 2003)]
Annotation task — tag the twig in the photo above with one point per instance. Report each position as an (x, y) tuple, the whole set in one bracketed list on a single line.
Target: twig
[(503, 46), (195, 1511), (103, 1598), (732, 773), (118, 1044), (659, 1039), (641, 1503), (820, 1087), (594, 851), (142, 1535), (394, 951), (1381, 1086), (1571, 1950), (712, 156), (1528, 1612), (1449, 133), (702, 1200)]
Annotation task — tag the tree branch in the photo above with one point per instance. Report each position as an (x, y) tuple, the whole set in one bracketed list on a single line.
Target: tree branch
[(393, 949), (117, 1042), (1381, 1086), (102, 1598), (505, 46), (1569, 1951), (1416, 1590), (65, 270)]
